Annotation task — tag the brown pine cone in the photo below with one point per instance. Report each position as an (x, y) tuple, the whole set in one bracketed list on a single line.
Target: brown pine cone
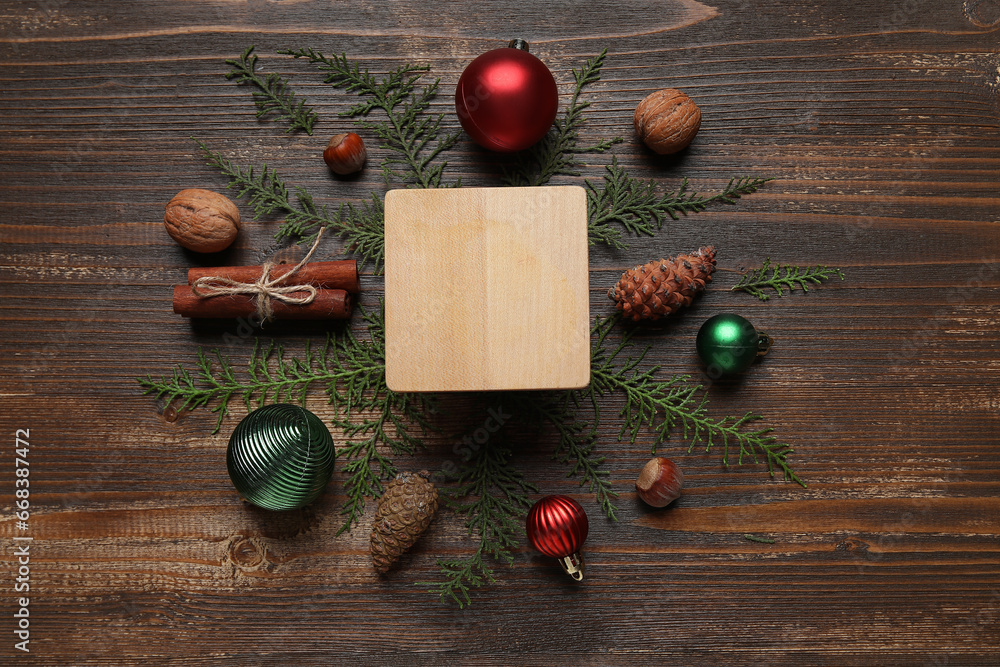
[(404, 512), (659, 288)]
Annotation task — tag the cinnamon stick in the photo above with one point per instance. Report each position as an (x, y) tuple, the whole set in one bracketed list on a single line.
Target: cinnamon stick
[(341, 275), (335, 304)]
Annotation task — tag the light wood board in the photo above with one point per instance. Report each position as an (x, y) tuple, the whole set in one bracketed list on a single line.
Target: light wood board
[(487, 289)]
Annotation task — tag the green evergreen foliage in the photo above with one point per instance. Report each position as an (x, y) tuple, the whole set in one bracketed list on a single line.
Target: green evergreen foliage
[(574, 417), (557, 152), (361, 227), (273, 96), (637, 207), (678, 403), (783, 277), (488, 491), (348, 369), (415, 138), (492, 495)]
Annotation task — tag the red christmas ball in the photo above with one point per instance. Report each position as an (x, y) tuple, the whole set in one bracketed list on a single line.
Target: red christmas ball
[(506, 99), (557, 526)]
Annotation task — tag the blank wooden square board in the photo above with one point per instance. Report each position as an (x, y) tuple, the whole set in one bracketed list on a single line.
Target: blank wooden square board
[(486, 289)]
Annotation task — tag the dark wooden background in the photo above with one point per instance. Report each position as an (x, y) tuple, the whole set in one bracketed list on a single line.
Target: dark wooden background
[(880, 121)]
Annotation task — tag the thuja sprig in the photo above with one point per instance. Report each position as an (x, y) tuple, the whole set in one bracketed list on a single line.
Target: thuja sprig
[(214, 380), (574, 416), (677, 403), (272, 95), (637, 207), (556, 152), (388, 418), (361, 227), (416, 138), (492, 495), (780, 278), (351, 372)]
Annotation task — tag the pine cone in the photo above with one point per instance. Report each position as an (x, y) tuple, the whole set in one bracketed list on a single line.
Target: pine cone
[(659, 288), (404, 512)]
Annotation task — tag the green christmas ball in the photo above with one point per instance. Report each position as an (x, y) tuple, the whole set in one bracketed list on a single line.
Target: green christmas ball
[(729, 343), (280, 457)]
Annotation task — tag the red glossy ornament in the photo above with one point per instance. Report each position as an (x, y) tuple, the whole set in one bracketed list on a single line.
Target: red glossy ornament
[(506, 99), (557, 526)]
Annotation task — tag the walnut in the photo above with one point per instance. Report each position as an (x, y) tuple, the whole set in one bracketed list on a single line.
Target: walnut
[(667, 121), (202, 220)]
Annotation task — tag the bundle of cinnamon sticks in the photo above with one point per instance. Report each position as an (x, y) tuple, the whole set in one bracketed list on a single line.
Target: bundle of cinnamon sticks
[(335, 283)]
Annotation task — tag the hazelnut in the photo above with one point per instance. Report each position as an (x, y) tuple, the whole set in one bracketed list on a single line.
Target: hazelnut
[(660, 482), (202, 220), (667, 121), (346, 154)]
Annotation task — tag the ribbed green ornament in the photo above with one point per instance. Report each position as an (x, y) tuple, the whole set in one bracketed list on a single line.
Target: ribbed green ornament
[(280, 457)]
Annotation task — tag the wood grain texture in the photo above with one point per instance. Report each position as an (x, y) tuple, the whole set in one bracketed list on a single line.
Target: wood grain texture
[(486, 289), (880, 122)]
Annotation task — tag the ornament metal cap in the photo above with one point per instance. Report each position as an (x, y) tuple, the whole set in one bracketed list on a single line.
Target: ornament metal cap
[(518, 43), (573, 565), (764, 343)]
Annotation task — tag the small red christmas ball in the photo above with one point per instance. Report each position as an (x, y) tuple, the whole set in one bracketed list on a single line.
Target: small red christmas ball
[(506, 99), (557, 526)]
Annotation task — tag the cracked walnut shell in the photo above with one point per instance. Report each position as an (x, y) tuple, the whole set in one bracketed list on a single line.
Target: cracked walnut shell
[(667, 121), (202, 220)]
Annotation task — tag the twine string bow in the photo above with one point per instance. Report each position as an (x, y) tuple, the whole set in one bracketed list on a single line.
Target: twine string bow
[(265, 289)]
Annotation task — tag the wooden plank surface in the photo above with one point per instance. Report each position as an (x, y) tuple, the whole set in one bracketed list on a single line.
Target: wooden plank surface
[(486, 289), (880, 122)]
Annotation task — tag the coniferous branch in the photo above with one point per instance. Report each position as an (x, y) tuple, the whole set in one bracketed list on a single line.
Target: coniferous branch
[(492, 495), (460, 575), (556, 152), (415, 138), (677, 403), (361, 227), (780, 278), (264, 189), (216, 382), (352, 374), (574, 416), (636, 206), (387, 420), (272, 94), (489, 492), (189, 392)]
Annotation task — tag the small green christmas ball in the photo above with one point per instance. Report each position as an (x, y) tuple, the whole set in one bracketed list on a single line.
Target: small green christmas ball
[(728, 344), (280, 457)]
